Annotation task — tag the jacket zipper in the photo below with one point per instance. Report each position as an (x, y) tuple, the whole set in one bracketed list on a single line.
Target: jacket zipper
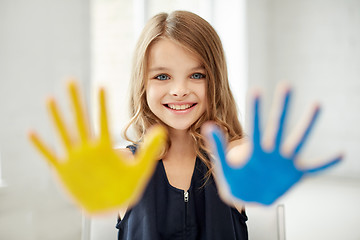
[(186, 196), (186, 200)]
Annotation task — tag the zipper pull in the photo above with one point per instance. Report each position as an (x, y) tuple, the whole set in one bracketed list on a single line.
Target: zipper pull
[(186, 196)]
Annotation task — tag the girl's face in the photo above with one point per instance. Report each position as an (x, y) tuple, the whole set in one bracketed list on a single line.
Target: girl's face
[(176, 84)]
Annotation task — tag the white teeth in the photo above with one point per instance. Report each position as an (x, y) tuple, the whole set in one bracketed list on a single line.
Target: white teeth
[(179, 107)]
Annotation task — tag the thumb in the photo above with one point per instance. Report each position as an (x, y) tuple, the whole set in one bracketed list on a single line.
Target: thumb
[(216, 143), (150, 150)]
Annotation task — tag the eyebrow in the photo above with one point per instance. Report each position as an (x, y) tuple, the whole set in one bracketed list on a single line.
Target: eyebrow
[(156, 69)]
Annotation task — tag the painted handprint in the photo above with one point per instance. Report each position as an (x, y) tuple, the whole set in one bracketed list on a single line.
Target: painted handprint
[(267, 172), (99, 178)]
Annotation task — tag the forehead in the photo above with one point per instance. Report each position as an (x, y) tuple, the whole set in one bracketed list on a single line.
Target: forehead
[(170, 54)]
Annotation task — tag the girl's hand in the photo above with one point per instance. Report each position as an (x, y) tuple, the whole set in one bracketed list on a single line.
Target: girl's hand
[(268, 167), (98, 177)]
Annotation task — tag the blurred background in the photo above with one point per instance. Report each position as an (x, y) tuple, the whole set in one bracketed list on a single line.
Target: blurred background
[(312, 44)]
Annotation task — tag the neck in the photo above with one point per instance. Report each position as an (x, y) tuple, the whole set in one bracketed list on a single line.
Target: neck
[(182, 146)]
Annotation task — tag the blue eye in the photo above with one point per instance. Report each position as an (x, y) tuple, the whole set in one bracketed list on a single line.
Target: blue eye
[(197, 76), (162, 77)]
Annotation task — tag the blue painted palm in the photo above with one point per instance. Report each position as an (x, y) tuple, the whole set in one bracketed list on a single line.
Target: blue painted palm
[(266, 174)]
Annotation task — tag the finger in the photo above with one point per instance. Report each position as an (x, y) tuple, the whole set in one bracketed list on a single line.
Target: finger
[(59, 123), (322, 167), (104, 129), (306, 132), (40, 146), (149, 152), (81, 123), (281, 122), (256, 127), (274, 128)]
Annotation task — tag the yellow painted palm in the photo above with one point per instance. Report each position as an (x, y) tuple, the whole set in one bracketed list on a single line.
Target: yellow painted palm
[(98, 177)]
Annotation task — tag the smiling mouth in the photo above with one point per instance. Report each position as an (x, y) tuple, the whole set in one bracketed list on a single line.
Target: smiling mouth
[(179, 107)]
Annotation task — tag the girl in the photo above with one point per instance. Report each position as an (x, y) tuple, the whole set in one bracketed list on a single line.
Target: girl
[(180, 80)]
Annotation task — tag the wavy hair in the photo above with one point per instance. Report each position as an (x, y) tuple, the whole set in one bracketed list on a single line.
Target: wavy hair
[(199, 37)]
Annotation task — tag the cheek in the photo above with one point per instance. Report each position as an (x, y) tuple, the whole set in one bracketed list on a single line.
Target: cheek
[(204, 98), (203, 93), (148, 97), (151, 95)]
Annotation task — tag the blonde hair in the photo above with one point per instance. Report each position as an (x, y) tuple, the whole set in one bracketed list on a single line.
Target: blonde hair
[(200, 38)]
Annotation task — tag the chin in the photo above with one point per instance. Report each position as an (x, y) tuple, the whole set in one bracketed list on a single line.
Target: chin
[(179, 127)]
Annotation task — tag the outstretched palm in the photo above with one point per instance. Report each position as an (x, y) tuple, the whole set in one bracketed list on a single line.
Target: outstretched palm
[(98, 177), (266, 173)]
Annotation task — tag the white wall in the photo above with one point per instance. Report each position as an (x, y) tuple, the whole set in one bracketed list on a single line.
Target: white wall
[(41, 43), (315, 46)]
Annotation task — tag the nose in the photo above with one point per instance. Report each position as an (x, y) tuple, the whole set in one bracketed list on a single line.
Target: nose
[(180, 89)]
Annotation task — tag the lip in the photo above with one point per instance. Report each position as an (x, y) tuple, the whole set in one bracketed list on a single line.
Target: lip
[(180, 112)]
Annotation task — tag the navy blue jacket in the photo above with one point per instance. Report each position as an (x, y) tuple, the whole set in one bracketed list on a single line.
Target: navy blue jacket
[(166, 212)]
